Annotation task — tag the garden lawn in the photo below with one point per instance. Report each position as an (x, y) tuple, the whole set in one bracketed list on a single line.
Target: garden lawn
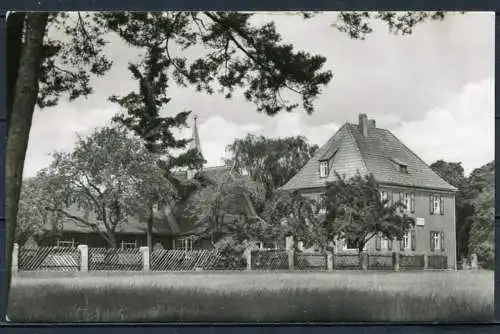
[(252, 297)]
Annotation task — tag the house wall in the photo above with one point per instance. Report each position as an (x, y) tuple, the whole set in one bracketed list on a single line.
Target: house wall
[(96, 240), (434, 222)]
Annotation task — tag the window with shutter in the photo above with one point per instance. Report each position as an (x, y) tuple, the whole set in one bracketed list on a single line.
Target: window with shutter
[(441, 205), (431, 204), (401, 244), (413, 240), (412, 202), (401, 200), (378, 242), (431, 241), (442, 241), (389, 244), (437, 204)]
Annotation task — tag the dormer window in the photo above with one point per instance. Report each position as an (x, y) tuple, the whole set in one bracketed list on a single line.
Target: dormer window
[(323, 168), (401, 166)]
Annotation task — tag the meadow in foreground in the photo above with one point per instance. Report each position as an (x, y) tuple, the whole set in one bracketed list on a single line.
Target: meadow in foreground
[(252, 297)]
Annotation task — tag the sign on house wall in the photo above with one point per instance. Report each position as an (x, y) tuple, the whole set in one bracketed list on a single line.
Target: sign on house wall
[(420, 221)]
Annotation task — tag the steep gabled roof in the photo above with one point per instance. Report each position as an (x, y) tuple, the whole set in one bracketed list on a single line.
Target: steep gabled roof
[(133, 225), (344, 158), (379, 153)]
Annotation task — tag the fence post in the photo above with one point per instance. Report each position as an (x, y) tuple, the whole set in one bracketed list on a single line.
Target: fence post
[(426, 261), (329, 261), (248, 257), (291, 259), (84, 257), (364, 260), (15, 258), (145, 258), (395, 261)]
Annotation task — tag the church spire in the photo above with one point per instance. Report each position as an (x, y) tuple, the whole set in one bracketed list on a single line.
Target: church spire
[(195, 143)]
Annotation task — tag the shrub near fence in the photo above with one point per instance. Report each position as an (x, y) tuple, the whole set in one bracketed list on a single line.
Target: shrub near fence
[(437, 262), (49, 258), (411, 261), (381, 261), (179, 260), (269, 260), (115, 259), (346, 261), (310, 261)]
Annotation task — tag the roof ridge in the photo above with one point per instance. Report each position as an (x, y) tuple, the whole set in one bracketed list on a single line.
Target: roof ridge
[(416, 156)]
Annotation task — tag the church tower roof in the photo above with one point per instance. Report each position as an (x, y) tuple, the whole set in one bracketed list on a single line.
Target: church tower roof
[(195, 143)]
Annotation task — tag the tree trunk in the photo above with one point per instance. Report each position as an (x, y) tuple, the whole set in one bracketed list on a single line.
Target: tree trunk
[(150, 229), (19, 127), (111, 238), (14, 31)]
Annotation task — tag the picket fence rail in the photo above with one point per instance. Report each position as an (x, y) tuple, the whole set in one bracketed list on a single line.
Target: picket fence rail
[(84, 259)]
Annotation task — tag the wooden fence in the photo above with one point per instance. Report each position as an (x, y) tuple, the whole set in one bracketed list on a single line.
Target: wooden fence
[(114, 259), (179, 260), (49, 259), (83, 258)]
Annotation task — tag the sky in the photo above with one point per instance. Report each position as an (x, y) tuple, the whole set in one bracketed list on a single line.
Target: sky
[(433, 89)]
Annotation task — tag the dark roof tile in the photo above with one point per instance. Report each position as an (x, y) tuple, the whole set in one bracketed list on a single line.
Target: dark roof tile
[(379, 153)]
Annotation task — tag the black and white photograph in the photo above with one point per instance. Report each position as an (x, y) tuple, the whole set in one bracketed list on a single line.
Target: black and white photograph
[(250, 167)]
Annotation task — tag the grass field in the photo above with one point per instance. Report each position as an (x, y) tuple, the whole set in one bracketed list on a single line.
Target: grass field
[(252, 297)]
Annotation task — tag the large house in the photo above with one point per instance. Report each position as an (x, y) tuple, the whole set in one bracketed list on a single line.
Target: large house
[(172, 226), (402, 175)]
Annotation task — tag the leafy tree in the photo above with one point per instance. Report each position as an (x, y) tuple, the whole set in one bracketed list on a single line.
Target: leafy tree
[(271, 161), (109, 177), (32, 216), (219, 211), (357, 212), (466, 199), (358, 24), (480, 189), (453, 173), (290, 213), (223, 195), (482, 240), (481, 178)]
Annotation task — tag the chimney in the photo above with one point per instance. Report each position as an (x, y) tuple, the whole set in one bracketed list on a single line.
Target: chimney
[(363, 124), (372, 124)]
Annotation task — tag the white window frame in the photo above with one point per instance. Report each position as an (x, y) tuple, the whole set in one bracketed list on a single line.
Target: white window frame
[(407, 202), (346, 248), (185, 243), (261, 245), (384, 243), (128, 244), (323, 168), (436, 239), (407, 240), (436, 199), (65, 243), (321, 203)]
